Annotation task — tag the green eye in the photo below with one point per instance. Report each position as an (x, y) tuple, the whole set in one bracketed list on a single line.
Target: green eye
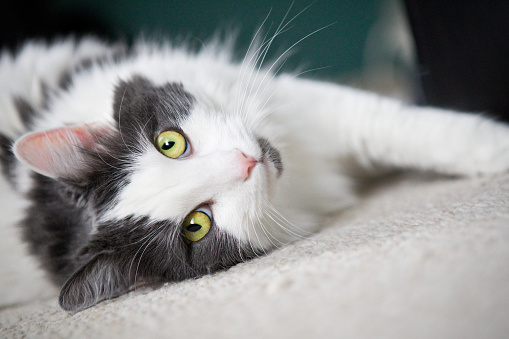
[(196, 225), (171, 143)]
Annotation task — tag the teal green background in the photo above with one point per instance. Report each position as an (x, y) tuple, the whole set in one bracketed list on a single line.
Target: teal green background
[(338, 47)]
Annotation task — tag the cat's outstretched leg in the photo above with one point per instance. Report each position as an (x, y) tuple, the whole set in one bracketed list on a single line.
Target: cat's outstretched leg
[(378, 131)]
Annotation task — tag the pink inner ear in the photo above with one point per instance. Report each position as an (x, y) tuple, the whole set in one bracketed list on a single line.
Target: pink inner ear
[(56, 153)]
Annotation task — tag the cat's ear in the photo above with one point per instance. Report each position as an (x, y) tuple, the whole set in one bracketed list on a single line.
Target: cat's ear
[(58, 153), (100, 279)]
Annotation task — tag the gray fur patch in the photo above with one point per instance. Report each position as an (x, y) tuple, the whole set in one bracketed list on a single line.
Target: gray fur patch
[(271, 154), (25, 111)]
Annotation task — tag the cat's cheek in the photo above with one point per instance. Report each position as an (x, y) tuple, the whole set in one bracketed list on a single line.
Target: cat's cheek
[(240, 211)]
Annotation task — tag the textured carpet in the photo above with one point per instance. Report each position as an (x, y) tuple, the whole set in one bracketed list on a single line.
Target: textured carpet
[(419, 257)]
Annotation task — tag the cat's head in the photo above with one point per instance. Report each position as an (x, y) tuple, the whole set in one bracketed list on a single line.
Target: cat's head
[(174, 189)]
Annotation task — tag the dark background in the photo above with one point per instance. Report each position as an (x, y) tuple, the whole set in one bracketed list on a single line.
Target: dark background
[(339, 46), (462, 46), (463, 49)]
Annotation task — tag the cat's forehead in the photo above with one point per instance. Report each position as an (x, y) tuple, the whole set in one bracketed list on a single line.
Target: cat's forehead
[(141, 105)]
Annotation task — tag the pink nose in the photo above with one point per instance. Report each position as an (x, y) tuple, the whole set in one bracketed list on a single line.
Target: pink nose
[(247, 163)]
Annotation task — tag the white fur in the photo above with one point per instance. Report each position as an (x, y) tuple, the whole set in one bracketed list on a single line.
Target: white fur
[(22, 75), (380, 131), (323, 131)]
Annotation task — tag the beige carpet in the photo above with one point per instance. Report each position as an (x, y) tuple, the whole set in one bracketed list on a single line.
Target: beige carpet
[(420, 257)]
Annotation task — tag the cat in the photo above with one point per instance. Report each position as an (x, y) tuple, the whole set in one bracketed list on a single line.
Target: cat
[(157, 162)]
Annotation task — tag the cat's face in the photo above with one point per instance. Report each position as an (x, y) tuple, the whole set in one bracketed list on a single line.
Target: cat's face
[(177, 190), (215, 162)]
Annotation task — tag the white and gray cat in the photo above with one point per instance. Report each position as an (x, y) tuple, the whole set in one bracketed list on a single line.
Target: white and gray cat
[(155, 163)]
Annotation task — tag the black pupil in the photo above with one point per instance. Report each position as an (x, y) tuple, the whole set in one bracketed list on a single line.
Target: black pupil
[(193, 227), (167, 145)]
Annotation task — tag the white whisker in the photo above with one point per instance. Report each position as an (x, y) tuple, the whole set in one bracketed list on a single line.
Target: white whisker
[(240, 77), (119, 116), (267, 233)]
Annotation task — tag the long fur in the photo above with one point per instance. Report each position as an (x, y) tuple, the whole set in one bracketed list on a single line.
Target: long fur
[(107, 208)]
